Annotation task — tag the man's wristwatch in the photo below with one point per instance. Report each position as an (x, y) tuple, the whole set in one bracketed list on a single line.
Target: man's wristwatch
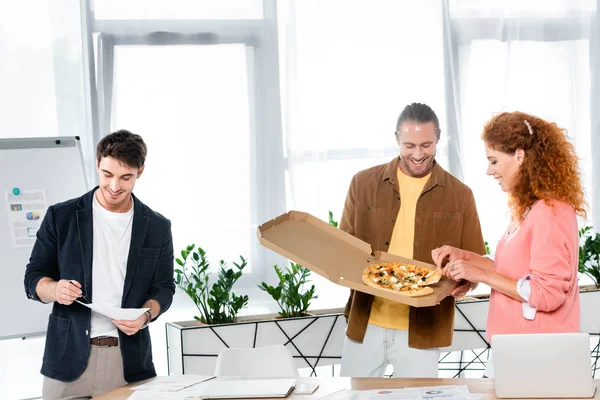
[(148, 319)]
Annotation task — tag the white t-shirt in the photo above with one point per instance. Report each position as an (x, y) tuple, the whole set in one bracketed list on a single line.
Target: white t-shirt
[(112, 238)]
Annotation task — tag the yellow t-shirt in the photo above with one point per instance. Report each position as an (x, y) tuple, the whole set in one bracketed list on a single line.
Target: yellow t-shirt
[(387, 313)]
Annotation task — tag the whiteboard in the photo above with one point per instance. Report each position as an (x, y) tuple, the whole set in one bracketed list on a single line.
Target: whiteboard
[(54, 167)]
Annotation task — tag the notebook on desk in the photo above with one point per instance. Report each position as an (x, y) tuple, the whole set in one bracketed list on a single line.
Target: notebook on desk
[(245, 388), (542, 366)]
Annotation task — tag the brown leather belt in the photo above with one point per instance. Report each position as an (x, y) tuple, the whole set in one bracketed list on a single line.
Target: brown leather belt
[(105, 341)]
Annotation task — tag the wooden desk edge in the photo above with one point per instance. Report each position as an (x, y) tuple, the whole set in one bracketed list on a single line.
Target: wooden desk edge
[(331, 385)]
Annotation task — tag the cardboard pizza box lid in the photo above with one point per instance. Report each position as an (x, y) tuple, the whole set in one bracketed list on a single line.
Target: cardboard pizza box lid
[(337, 255)]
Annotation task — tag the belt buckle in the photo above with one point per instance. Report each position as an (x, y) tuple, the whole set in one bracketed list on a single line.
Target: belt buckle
[(100, 339)]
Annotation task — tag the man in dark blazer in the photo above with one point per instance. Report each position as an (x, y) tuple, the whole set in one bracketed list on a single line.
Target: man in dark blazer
[(109, 248)]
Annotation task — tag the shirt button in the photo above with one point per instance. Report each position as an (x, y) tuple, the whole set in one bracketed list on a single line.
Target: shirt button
[(393, 219), (387, 243), (398, 197), (86, 332)]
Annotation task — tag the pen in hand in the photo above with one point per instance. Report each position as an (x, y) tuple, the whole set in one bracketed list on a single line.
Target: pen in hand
[(82, 294)]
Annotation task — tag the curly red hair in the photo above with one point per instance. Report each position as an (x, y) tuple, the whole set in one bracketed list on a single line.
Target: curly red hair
[(549, 170)]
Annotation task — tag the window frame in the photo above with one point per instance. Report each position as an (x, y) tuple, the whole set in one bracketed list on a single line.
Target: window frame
[(267, 162)]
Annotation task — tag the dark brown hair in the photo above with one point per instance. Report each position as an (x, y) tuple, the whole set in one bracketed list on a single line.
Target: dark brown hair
[(124, 146), (549, 170), (420, 113)]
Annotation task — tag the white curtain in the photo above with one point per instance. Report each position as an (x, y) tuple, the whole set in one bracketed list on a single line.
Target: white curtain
[(347, 70), (43, 93), (348, 67), (44, 75), (529, 55)]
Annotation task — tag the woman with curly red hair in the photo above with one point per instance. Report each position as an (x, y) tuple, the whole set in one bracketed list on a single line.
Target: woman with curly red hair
[(534, 274)]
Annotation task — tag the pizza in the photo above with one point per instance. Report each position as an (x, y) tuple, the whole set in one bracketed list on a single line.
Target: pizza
[(404, 279)]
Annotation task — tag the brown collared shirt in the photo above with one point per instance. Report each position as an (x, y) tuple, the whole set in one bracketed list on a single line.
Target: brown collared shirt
[(445, 214)]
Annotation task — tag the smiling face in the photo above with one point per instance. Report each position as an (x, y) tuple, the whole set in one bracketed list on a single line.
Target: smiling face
[(417, 147), (504, 166), (116, 181)]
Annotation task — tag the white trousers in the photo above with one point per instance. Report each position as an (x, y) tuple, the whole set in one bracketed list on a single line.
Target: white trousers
[(383, 347)]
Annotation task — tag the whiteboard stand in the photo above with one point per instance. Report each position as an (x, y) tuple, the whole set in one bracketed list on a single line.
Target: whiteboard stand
[(54, 166)]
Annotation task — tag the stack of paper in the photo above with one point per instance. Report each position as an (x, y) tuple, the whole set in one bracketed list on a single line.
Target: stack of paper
[(167, 387), (195, 387)]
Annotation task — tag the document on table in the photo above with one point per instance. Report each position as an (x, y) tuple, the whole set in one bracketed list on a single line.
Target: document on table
[(222, 389), (417, 393), (172, 383), (152, 395), (127, 314)]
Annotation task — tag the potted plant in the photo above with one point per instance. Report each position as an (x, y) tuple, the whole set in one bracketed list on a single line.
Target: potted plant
[(331, 221), (589, 254), (217, 304), (288, 293), (192, 348)]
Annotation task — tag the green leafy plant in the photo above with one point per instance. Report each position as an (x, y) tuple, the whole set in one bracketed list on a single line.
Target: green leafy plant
[(589, 254), (487, 247), (217, 304), (288, 293), (331, 221)]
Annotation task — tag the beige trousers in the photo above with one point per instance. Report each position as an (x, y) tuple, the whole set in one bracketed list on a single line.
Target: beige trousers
[(104, 371)]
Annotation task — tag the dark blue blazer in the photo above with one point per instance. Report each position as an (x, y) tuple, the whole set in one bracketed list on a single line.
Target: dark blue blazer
[(63, 250)]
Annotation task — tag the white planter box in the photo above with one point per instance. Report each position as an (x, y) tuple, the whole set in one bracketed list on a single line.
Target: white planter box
[(313, 340), (318, 340)]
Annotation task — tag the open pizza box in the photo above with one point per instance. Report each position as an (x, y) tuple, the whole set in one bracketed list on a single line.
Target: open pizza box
[(338, 256)]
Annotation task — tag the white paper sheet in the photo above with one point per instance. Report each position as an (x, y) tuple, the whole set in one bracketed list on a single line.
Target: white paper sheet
[(221, 388), (240, 388), (127, 314), (153, 395), (171, 383), (418, 393)]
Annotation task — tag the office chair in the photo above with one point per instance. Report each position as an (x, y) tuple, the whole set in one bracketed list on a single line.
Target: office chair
[(261, 362)]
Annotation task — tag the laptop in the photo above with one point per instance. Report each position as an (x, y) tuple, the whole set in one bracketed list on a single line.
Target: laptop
[(542, 365)]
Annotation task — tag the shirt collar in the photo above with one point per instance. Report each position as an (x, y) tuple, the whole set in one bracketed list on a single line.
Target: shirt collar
[(438, 176)]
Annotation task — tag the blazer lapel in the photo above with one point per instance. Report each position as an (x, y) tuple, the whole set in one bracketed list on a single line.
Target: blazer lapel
[(86, 240), (138, 235)]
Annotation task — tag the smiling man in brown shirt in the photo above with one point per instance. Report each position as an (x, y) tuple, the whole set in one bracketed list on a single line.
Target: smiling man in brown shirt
[(407, 207)]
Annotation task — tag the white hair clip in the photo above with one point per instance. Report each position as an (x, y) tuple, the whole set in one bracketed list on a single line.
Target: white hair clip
[(528, 126)]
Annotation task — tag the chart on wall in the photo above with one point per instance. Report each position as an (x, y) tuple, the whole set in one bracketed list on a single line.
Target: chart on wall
[(26, 210)]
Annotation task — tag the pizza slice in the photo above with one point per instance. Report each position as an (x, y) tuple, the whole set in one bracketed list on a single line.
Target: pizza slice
[(404, 279)]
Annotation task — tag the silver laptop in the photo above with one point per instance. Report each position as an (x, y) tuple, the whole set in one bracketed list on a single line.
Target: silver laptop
[(542, 365)]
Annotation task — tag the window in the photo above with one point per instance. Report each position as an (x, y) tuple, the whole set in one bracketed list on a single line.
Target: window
[(27, 76), (190, 104), (348, 68), (542, 72), (505, 60), (178, 9)]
